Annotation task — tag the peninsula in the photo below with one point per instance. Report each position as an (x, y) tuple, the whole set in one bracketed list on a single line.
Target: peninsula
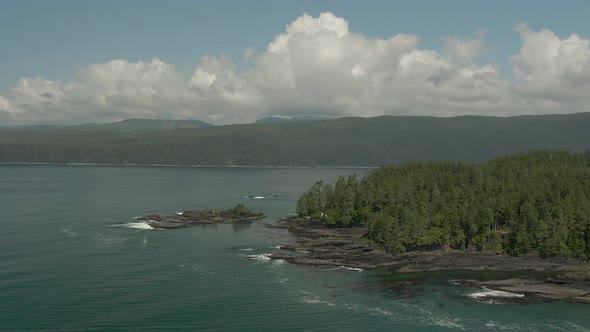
[(526, 215)]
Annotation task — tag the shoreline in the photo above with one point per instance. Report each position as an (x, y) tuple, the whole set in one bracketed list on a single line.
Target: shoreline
[(535, 278), (10, 163)]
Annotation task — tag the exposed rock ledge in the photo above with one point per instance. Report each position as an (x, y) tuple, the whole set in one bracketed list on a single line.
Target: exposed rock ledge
[(540, 279), (198, 217)]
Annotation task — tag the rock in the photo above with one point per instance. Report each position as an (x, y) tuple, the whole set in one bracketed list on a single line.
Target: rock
[(198, 217), (318, 245)]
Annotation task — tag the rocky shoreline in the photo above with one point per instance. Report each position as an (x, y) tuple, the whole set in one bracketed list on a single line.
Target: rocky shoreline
[(536, 279), (198, 217)]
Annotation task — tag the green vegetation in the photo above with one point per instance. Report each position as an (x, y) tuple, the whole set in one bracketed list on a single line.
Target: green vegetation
[(376, 141), (241, 210), (533, 202)]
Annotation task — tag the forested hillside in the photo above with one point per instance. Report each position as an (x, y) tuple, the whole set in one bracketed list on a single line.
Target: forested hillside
[(533, 202), (342, 142)]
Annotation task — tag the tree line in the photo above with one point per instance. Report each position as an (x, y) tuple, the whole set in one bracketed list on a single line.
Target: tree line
[(532, 202)]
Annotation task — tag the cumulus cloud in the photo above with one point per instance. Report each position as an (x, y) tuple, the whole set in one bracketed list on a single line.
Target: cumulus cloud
[(318, 67), (552, 69)]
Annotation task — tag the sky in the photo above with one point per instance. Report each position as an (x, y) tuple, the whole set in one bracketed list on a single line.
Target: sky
[(69, 62)]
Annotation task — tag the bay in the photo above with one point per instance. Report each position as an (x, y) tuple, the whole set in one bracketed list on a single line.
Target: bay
[(70, 260)]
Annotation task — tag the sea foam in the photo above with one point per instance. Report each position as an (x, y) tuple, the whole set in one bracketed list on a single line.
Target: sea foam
[(138, 225), (493, 293), (261, 257)]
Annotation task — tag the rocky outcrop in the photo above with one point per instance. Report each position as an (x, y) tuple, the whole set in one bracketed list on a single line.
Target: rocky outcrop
[(198, 217), (540, 279)]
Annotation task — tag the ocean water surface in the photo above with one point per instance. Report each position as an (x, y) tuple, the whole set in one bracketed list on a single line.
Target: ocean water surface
[(73, 258)]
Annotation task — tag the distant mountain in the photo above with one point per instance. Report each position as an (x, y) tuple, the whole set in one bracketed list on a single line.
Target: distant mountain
[(275, 120), (341, 142), (144, 124)]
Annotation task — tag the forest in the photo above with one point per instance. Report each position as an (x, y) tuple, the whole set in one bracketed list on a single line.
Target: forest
[(535, 202), (377, 141)]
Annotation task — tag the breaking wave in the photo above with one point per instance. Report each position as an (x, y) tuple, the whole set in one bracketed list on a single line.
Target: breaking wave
[(490, 293), (138, 225), (261, 257)]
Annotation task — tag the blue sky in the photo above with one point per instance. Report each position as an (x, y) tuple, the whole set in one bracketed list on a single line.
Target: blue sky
[(54, 39)]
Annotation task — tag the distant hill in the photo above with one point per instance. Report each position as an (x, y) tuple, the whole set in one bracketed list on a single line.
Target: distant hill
[(144, 124), (341, 142), (275, 120)]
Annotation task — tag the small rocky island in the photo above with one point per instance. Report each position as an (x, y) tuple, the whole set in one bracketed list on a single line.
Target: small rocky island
[(238, 214)]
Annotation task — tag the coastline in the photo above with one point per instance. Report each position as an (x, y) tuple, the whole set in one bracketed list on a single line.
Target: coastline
[(10, 163), (532, 278)]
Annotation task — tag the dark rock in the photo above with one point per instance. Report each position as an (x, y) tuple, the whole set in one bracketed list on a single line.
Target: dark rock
[(318, 245), (198, 217)]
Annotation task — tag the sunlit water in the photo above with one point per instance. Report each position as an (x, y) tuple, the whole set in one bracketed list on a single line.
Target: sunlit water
[(72, 258)]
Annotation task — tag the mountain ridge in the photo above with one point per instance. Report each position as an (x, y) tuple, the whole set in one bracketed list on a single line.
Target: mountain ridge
[(349, 141)]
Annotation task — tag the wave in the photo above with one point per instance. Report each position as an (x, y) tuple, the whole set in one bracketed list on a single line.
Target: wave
[(351, 269), (311, 298), (342, 268), (260, 197), (282, 281), (487, 293), (245, 249), (261, 257), (138, 225), (278, 261)]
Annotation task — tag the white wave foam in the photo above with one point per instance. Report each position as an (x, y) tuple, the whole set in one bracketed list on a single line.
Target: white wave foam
[(276, 247), (351, 269), (380, 311), (493, 293), (495, 325), (316, 301), (261, 257), (278, 261), (447, 322), (343, 268), (255, 197), (138, 225), (245, 249), (179, 213), (454, 282), (311, 298)]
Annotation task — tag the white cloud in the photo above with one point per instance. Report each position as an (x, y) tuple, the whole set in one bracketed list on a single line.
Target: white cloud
[(550, 68), (318, 67)]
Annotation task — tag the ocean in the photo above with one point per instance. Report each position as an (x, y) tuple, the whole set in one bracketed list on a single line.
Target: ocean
[(73, 258)]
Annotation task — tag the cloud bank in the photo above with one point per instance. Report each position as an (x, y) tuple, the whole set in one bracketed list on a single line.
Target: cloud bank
[(318, 67)]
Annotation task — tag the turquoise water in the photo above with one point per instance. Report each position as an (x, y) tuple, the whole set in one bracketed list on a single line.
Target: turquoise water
[(70, 261)]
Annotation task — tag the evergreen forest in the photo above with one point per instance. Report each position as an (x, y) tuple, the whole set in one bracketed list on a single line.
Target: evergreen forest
[(535, 202), (365, 142)]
